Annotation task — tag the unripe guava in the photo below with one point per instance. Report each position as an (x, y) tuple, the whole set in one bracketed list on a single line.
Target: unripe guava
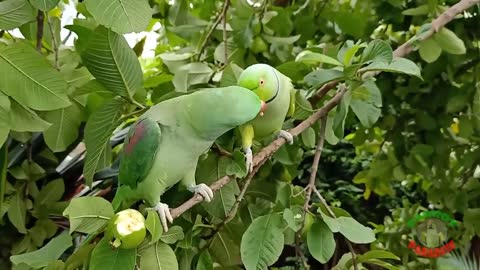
[(126, 229)]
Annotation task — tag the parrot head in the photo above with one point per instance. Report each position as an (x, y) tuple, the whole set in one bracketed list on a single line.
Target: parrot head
[(262, 80)]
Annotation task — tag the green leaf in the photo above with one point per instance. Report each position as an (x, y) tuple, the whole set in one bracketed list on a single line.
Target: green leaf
[(17, 213), (152, 223), (377, 254), (398, 65), (470, 219), (104, 257), (354, 231), (449, 41), (429, 50), (14, 13), (320, 77), (50, 252), (159, 256), (230, 75), (122, 16), (112, 62), (293, 217), (30, 79), (23, 119), (420, 10), (312, 58), (320, 241), (205, 261), (55, 265), (308, 137), (88, 214), (51, 192), (90, 87), (262, 243), (366, 102), (174, 234), (64, 128), (98, 130), (378, 50), (44, 5), (191, 74), (294, 70), (79, 257), (281, 40), (225, 249)]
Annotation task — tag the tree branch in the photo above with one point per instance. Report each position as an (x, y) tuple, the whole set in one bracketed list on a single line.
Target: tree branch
[(269, 150), (225, 8), (218, 19), (40, 18)]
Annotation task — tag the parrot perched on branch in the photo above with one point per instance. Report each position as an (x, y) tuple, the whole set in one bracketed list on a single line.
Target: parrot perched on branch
[(277, 91), (163, 146)]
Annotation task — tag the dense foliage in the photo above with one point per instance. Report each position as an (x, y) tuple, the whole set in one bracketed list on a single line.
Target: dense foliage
[(397, 143)]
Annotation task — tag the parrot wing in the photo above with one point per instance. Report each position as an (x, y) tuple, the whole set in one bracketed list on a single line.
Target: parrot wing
[(139, 151)]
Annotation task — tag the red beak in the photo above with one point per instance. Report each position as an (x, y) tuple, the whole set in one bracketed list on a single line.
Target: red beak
[(263, 107)]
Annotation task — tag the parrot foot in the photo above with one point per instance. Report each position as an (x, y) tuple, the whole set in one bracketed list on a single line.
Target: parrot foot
[(204, 190), (164, 212), (249, 160), (286, 135)]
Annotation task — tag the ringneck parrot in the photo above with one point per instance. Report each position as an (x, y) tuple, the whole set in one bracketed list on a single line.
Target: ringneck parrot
[(277, 91), (163, 146)]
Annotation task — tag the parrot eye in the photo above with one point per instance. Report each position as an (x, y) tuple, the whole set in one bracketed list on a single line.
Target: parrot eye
[(261, 82)]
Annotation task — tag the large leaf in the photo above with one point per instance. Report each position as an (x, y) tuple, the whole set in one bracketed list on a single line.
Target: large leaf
[(28, 78), (64, 128), (98, 130), (366, 102), (159, 256), (313, 58), (398, 65), (320, 77), (262, 243), (17, 212), (51, 192), (44, 5), (104, 257), (429, 50), (377, 50), (113, 63), (122, 16), (14, 13), (50, 252), (152, 223), (174, 234), (88, 214), (354, 231), (320, 242), (449, 41), (24, 119)]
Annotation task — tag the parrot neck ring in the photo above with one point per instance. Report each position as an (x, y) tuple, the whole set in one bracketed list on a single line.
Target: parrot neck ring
[(277, 90)]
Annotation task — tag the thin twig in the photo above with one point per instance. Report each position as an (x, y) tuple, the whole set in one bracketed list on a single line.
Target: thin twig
[(218, 19), (299, 251), (40, 19), (224, 16), (54, 41)]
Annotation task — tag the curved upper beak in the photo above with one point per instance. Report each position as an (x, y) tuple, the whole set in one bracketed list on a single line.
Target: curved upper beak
[(263, 107)]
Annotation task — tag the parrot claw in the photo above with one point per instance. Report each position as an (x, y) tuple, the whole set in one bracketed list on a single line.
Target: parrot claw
[(249, 160), (164, 212), (204, 190), (286, 135)]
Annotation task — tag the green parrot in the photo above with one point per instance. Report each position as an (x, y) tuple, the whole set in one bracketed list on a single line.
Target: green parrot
[(277, 91), (163, 146)]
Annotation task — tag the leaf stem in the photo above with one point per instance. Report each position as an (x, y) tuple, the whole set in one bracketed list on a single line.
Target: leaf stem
[(40, 20), (54, 41)]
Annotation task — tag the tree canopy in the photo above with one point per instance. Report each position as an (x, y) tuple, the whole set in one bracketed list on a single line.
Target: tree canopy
[(386, 127)]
